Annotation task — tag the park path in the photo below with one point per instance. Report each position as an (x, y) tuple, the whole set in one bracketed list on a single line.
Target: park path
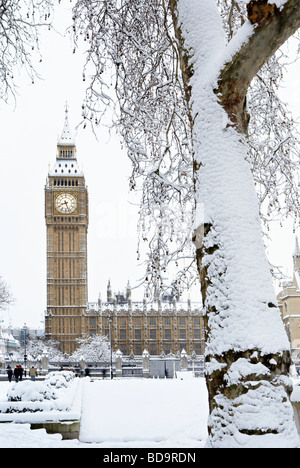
[(144, 413)]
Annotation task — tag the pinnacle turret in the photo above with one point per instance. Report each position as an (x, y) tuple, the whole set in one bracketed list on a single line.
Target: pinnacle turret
[(109, 292), (296, 256), (297, 249)]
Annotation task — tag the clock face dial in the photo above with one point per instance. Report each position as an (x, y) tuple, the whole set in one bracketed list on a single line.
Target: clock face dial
[(65, 203)]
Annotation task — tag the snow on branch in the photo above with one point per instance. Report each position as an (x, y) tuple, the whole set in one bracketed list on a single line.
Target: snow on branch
[(20, 23), (93, 349), (134, 68), (135, 42), (5, 295)]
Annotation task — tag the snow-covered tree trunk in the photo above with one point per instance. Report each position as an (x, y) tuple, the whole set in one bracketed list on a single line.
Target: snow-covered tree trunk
[(247, 350)]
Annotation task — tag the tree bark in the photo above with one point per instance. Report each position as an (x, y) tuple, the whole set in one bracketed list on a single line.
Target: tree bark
[(272, 27), (185, 57)]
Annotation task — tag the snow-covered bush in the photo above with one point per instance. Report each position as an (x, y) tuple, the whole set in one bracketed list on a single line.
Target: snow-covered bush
[(59, 379), (56, 393), (94, 349), (31, 391)]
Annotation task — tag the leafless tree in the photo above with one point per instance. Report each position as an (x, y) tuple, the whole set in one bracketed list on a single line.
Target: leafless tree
[(93, 349), (20, 23), (198, 110), (136, 45), (5, 295)]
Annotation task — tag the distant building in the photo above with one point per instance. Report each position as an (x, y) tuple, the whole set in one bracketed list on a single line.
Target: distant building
[(8, 343), (289, 304), (2, 344), (30, 333), (66, 214), (159, 327)]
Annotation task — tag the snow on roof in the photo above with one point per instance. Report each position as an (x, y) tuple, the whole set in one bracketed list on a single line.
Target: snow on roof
[(9, 339), (66, 161), (139, 306), (66, 167)]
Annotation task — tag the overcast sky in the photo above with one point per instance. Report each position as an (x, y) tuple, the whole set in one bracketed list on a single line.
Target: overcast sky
[(28, 141)]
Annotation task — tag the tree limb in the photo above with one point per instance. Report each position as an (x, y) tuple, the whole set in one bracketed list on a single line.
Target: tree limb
[(273, 28)]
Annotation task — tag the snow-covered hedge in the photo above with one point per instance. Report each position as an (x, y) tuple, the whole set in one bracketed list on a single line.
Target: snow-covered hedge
[(29, 397), (31, 391), (51, 394), (59, 379)]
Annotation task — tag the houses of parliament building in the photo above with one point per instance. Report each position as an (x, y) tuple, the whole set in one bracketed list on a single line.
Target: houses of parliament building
[(160, 327)]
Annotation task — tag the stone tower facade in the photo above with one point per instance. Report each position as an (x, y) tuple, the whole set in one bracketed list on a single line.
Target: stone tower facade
[(66, 213), (161, 327), (289, 304)]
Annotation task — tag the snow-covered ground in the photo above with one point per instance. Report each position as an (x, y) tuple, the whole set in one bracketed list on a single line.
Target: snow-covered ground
[(127, 413)]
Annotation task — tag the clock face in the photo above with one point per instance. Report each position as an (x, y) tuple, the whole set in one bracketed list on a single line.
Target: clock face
[(65, 203)]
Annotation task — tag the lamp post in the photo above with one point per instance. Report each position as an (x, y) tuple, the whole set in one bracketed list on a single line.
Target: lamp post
[(110, 319), (25, 353)]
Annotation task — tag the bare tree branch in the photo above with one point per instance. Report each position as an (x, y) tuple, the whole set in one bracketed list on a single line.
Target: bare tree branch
[(6, 297), (20, 23), (272, 28)]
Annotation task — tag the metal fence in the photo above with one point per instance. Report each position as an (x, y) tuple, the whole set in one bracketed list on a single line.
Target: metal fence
[(157, 367)]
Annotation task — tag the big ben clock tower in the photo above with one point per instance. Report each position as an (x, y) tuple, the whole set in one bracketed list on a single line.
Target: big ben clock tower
[(66, 212)]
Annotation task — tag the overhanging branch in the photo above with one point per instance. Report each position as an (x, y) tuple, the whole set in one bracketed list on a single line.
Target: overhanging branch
[(273, 28)]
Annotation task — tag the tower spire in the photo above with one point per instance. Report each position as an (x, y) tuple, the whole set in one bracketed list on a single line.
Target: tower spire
[(66, 159), (296, 256), (109, 292), (297, 249), (128, 291), (66, 138)]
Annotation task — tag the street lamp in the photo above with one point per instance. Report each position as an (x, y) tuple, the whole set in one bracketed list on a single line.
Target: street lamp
[(25, 353), (110, 319)]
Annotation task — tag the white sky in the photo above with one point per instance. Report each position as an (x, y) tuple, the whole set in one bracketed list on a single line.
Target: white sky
[(28, 145)]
